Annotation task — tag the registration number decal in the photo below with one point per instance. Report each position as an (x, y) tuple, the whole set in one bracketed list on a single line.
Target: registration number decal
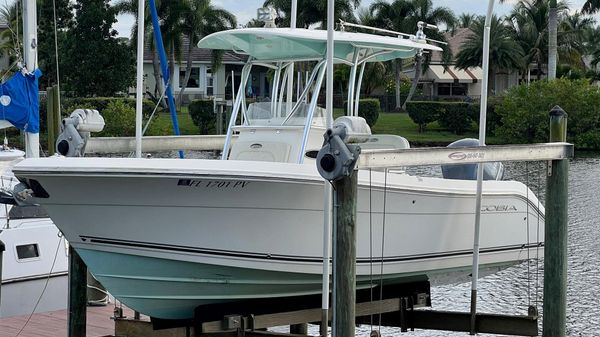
[(213, 184)]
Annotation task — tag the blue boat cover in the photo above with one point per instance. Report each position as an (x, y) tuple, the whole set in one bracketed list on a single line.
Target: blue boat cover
[(19, 101)]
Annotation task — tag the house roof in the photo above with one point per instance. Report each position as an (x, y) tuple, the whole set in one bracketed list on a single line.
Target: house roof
[(455, 41), (199, 55)]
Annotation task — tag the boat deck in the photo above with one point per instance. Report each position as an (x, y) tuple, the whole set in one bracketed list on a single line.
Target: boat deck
[(54, 323)]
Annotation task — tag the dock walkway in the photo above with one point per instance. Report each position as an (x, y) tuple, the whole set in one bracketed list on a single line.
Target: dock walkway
[(54, 323)]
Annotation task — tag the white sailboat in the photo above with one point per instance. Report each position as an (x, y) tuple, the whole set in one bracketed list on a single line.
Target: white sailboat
[(165, 236), (36, 257)]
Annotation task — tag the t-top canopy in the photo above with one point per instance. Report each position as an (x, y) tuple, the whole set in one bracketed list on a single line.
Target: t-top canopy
[(296, 44)]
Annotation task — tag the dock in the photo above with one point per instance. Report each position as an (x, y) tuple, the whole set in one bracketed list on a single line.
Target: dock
[(54, 323)]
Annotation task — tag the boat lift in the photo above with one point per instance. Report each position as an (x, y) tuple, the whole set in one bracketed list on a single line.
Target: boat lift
[(404, 311)]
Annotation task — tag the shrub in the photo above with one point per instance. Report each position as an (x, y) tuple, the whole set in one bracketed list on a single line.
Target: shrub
[(524, 111), (203, 115), (455, 116), (368, 108), (101, 103), (119, 119), (493, 120), (423, 113)]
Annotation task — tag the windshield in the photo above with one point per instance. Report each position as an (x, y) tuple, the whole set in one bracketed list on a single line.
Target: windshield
[(265, 113)]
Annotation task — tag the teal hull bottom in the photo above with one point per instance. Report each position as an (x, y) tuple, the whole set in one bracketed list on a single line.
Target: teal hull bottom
[(172, 289)]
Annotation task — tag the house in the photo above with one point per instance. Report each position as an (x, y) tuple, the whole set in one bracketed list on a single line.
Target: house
[(448, 81), (204, 82)]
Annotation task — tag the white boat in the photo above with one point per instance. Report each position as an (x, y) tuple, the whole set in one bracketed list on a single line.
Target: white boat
[(165, 236), (36, 258)]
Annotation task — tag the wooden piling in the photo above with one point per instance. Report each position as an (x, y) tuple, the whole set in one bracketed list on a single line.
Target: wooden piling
[(2, 249), (50, 120), (53, 117), (77, 295), (555, 252), (344, 266)]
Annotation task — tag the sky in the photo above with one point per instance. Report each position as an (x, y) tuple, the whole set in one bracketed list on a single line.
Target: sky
[(246, 9)]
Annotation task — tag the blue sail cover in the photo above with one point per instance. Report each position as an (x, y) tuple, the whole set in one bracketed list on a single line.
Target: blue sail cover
[(19, 101)]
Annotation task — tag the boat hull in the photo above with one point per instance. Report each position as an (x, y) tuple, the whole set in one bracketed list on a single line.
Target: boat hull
[(167, 240)]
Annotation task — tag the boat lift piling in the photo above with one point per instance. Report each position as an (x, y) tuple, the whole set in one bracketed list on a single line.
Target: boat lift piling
[(53, 117), (556, 231), (77, 295), (2, 249)]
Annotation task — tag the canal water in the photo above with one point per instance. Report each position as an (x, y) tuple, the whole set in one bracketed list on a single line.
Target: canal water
[(512, 290)]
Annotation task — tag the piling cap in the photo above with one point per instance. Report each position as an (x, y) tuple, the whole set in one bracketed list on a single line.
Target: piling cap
[(558, 112), (2, 247)]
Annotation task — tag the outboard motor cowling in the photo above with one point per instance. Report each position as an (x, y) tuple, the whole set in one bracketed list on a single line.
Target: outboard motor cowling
[(491, 171)]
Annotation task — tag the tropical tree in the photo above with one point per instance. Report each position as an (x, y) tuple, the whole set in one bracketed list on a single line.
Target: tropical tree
[(552, 39), (170, 14), (466, 20), (201, 18), (311, 12), (591, 6), (10, 43), (505, 52), (530, 25), (96, 63), (592, 38), (423, 11), (573, 36), (393, 16), (130, 7), (46, 37)]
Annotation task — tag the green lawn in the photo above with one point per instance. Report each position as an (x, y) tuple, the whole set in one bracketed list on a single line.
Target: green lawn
[(162, 121), (388, 123)]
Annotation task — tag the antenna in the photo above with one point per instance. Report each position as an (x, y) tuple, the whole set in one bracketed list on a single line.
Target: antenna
[(422, 39)]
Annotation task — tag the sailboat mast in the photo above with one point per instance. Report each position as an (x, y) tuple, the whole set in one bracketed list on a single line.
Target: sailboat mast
[(32, 140), (140, 79)]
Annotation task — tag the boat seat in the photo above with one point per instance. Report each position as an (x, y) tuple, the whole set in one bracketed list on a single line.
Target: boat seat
[(260, 151), (385, 142)]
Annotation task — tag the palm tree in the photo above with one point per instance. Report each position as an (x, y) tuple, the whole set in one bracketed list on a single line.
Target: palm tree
[(312, 12), (505, 52), (465, 20), (591, 6), (200, 19), (393, 16), (170, 14), (530, 21), (10, 42), (552, 39), (424, 11), (593, 45), (573, 37)]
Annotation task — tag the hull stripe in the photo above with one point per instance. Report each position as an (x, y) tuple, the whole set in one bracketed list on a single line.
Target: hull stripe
[(293, 258)]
